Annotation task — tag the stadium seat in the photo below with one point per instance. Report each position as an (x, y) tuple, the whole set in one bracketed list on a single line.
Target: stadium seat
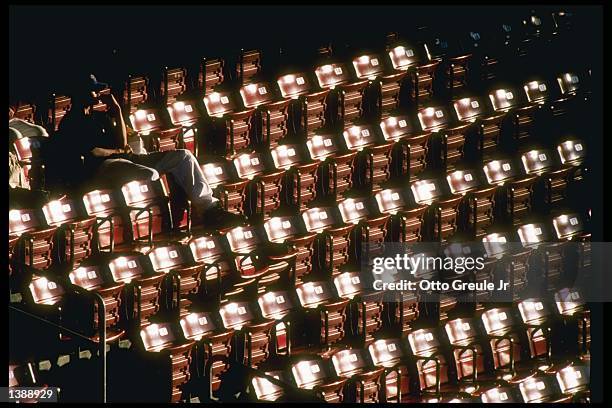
[(77, 234), (364, 382), (326, 313), (389, 354), (454, 139), (338, 167), (334, 253), (232, 126), (35, 248), (163, 340), (59, 105), (311, 103), (142, 293), (314, 373), (227, 187), (301, 174), (183, 274), (442, 217)]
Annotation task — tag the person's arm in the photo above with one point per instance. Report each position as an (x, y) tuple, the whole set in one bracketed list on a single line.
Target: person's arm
[(103, 152), (114, 110)]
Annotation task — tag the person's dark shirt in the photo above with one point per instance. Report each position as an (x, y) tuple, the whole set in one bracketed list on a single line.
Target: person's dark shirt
[(77, 135)]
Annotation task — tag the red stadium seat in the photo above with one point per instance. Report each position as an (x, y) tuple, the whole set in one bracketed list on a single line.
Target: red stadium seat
[(301, 176), (213, 341), (226, 186), (111, 226), (248, 66), (477, 110), (328, 313), (273, 112), (143, 286), (211, 74), (292, 234), (335, 234), (162, 339), (265, 181), (312, 103), (371, 227), (479, 203), (173, 260), (339, 166), (252, 332), (454, 138), (389, 354), (364, 383), (313, 373), (35, 248), (232, 130), (78, 234), (410, 151), (443, 208)]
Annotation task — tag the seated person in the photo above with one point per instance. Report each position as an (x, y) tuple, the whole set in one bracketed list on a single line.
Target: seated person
[(92, 146)]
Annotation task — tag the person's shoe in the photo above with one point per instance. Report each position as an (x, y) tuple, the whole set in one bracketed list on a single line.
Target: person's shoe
[(215, 218)]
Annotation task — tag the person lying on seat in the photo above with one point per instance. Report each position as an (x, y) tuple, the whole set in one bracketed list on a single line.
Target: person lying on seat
[(92, 147)]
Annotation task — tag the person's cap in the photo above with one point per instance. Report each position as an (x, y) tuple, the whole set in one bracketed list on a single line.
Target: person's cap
[(86, 84)]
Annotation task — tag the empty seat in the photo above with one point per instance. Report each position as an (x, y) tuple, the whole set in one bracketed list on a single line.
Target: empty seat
[(407, 217), (477, 110), (265, 181), (248, 66), (135, 93), (454, 139), (336, 76), (442, 216), (516, 189), (148, 209), (555, 179), (501, 330), (314, 373), (374, 157), (467, 351), (273, 111), (77, 233), (478, 208), (574, 380), (502, 393), (290, 232), (385, 86), (410, 57), (142, 286), (233, 125), (92, 278), (390, 355), (253, 333), (282, 306), (536, 316), (112, 229), (311, 103), (411, 146), (301, 174), (174, 260), (371, 226), (338, 167), (366, 305), (432, 365), (364, 381), (173, 84), (541, 388), (211, 74), (326, 313), (253, 259), (35, 248), (570, 304), (513, 261), (162, 339), (334, 254), (213, 344), (508, 100)]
